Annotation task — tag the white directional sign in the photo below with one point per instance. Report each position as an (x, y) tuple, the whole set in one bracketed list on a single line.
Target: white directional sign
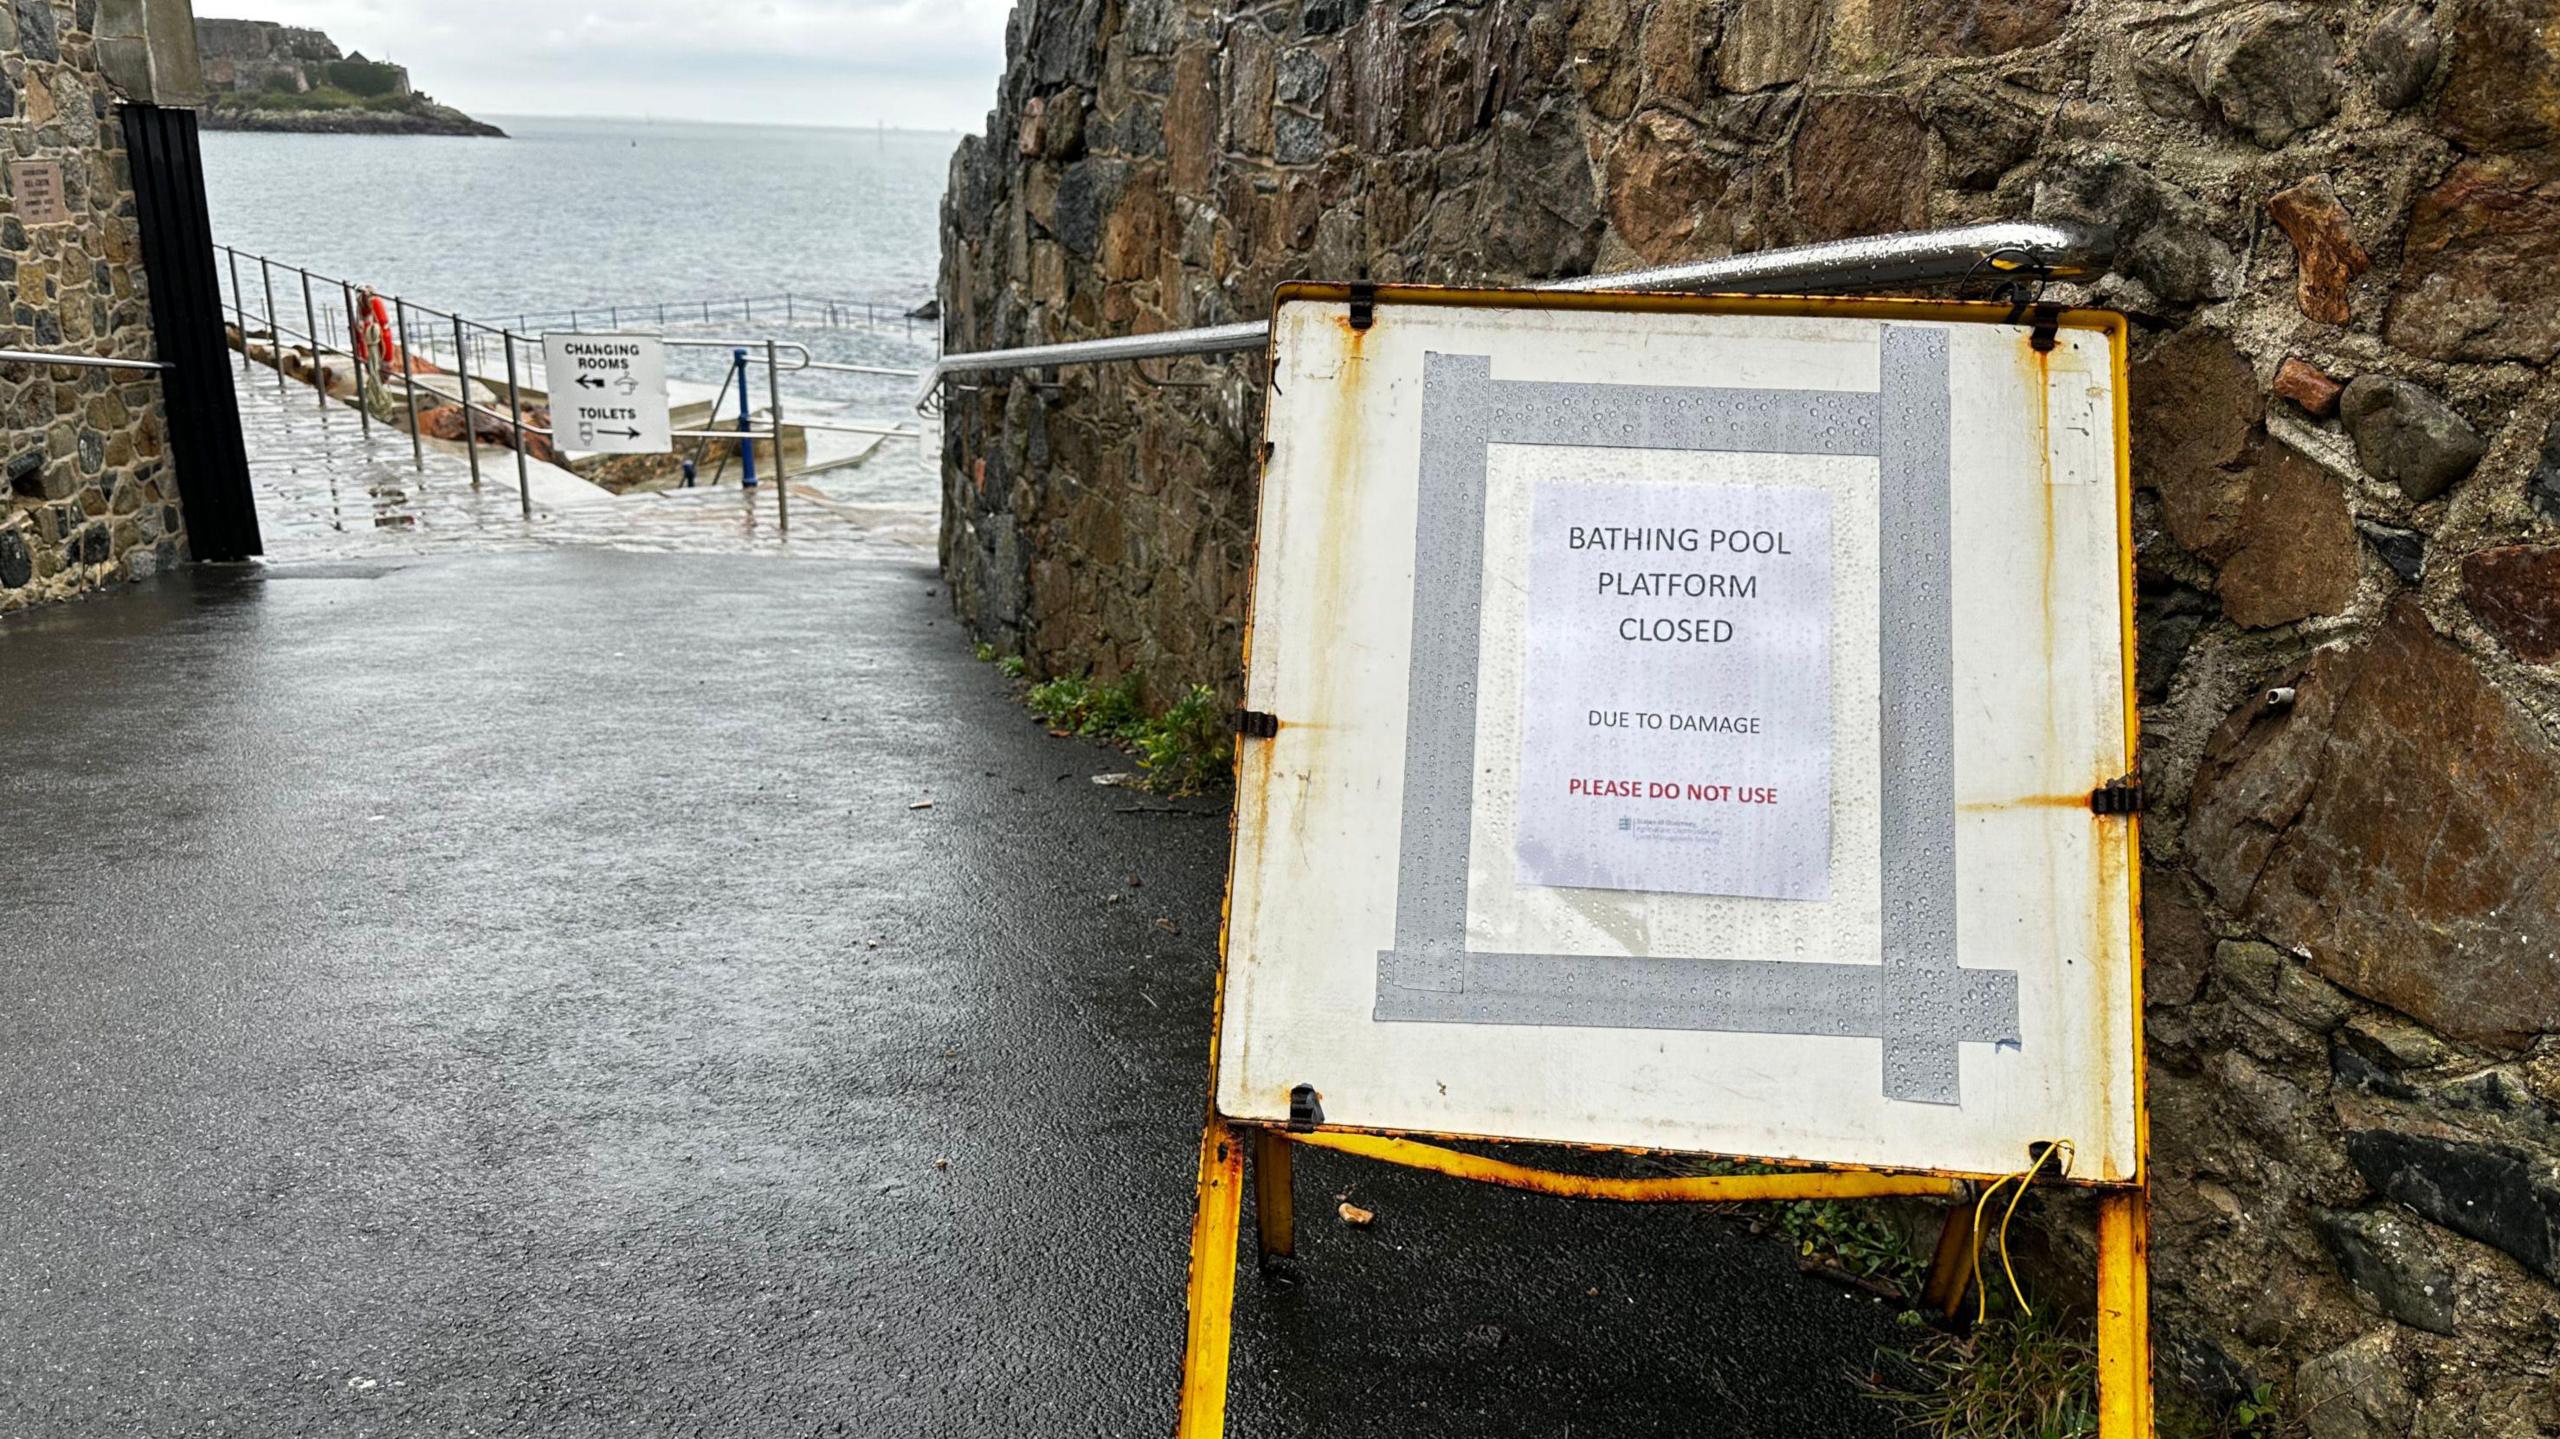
[(1686, 717), (608, 392)]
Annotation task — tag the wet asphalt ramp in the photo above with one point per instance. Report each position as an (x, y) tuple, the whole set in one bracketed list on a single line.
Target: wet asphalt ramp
[(519, 995)]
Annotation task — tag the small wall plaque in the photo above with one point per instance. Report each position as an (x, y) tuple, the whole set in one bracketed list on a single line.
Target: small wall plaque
[(35, 190)]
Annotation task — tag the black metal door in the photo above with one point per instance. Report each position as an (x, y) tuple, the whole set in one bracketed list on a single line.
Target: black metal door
[(186, 317)]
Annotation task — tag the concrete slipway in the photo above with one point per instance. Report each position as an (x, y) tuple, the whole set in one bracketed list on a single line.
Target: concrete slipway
[(512, 994)]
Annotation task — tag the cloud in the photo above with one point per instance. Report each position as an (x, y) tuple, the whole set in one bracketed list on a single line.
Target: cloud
[(917, 64)]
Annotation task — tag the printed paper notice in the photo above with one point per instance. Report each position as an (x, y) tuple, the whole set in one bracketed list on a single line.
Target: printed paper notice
[(1676, 732)]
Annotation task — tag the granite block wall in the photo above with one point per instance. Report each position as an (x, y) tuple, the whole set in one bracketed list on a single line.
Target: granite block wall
[(2340, 229), (87, 497)]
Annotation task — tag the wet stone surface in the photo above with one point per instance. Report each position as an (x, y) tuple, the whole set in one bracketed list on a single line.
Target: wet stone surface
[(2406, 435), (2515, 590), (521, 994), (2307, 821)]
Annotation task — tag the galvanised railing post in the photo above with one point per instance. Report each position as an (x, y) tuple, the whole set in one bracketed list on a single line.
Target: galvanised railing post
[(357, 357), (409, 383), (746, 438), (275, 332), (239, 307), (462, 385), (515, 414), (781, 475), (311, 318)]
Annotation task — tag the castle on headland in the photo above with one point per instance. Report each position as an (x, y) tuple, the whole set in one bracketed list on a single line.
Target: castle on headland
[(264, 76), (260, 56)]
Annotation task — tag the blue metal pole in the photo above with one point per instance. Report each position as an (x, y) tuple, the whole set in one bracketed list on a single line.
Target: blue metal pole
[(746, 437)]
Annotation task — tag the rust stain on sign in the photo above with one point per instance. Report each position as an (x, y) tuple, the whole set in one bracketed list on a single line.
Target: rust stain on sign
[(1335, 834)]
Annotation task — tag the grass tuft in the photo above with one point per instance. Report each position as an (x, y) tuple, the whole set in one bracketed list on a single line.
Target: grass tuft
[(2012, 1378), (1849, 1237), (1832, 1233), (1109, 711), (1190, 746), (1182, 751)]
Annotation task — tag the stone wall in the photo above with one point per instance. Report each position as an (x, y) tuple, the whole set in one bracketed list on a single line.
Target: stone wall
[(2341, 248), (87, 495)]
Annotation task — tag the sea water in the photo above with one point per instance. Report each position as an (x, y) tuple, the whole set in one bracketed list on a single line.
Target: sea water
[(594, 214), (588, 213)]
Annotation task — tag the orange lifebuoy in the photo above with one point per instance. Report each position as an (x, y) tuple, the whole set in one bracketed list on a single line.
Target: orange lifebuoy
[(382, 329)]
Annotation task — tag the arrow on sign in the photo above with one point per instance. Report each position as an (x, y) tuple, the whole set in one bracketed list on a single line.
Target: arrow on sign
[(626, 434), (590, 382)]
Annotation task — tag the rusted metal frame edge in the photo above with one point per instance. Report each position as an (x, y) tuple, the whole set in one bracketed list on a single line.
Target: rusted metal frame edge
[(2124, 1315), (1850, 307), (1210, 1299), (1218, 1212), (2119, 343), (1787, 1163), (1694, 1189), (2125, 1380)]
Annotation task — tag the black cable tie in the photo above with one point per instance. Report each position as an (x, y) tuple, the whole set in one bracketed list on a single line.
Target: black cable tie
[(2048, 327), (1306, 1110)]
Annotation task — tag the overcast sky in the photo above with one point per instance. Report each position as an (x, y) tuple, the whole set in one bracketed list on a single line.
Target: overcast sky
[(917, 64)]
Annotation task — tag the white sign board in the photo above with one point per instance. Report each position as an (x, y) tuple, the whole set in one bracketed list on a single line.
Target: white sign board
[(608, 392), (1687, 718)]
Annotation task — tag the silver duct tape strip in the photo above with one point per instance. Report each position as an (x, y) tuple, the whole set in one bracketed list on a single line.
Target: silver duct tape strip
[(1918, 1001)]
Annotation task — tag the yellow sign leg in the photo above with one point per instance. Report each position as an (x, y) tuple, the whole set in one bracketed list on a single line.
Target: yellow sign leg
[(1203, 1414), (1274, 1206), (2124, 1314), (1951, 1268)]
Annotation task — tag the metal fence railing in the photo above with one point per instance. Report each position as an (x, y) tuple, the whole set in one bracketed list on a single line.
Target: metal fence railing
[(445, 342), (791, 307)]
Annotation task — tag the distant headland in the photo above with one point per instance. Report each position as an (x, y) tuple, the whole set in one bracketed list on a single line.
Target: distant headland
[(266, 76)]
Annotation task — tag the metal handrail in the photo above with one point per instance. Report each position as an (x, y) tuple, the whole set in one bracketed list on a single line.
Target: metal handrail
[(886, 371), (776, 357), (895, 431), (612, 312), (2058, 250), (85, 362)]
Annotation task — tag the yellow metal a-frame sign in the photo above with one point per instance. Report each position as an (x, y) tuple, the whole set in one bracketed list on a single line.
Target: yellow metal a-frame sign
[(1695, 726)]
